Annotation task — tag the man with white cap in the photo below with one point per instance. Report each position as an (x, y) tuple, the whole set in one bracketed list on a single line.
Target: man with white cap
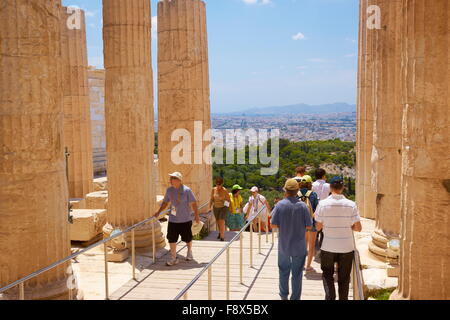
[(182, 199), (256, 202)]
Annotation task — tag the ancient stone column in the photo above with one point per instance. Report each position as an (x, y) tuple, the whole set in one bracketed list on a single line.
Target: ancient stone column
[(129, 117), (33, 185), (425, 200), (183, 93), (365, 194), (359, 183), (387, 138), (77, 119)]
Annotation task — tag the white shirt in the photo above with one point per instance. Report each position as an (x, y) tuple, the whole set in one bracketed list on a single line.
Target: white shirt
[(338, 215), (257, 204), (322, 189)]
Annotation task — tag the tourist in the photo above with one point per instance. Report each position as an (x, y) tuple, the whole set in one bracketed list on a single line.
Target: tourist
[(256, 203), (300, 172), (292, 219), (219, 204), (235, 218), (181, 199), (338, 217), (311, 200), (320, 186)]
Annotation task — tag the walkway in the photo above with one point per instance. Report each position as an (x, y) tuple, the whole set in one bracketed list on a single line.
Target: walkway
[(159, 282)]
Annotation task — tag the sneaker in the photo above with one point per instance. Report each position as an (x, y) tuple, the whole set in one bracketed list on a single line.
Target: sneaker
[(189, 256), (172, 262)]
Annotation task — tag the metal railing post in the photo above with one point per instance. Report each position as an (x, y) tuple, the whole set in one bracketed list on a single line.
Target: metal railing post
[(259, 234), (106, 272), (21, 291), (241, 258), (153, 242), (251, 245), (273, 235), (228, 274), (133, 254), (210, 283)]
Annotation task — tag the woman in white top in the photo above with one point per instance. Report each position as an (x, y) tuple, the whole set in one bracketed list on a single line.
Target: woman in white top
[(256, 202)]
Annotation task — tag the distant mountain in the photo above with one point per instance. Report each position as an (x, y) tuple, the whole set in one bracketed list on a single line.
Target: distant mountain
[(299, 109)]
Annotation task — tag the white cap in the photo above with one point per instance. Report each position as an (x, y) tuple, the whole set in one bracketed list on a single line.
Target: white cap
[(254, 189), (177, 175)]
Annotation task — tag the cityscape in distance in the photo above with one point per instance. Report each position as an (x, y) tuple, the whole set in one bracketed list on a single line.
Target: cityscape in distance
[(296, 122)]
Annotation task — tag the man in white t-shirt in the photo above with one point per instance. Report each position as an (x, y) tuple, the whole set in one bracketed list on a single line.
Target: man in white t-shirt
[(320, 186), (338, 217), (256, 202)]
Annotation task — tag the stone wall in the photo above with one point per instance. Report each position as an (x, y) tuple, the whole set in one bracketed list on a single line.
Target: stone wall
[(96, 79)]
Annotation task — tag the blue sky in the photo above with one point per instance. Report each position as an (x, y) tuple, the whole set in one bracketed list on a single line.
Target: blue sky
[(268, 52)]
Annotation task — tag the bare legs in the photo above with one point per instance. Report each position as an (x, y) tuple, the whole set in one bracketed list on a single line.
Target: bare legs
[(221, 224), (311, 243)]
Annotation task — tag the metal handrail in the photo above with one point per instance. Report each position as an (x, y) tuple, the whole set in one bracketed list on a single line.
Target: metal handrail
[(357, 277), (20, 282), (208, 268)]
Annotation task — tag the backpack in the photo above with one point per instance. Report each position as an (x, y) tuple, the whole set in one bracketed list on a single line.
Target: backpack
[(305, 199)]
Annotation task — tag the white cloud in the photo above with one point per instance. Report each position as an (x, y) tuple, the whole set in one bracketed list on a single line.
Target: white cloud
[(262, 2), (298, 36), (351, 55)]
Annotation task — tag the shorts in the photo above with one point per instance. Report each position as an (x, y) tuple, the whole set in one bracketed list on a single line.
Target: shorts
[(220, 213), (175, 230)]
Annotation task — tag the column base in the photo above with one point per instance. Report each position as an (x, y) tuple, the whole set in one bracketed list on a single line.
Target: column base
[(55, 291), (142, 237), (380, 247), (396, 295)]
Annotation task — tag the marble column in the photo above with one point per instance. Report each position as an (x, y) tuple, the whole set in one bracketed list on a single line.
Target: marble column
[(366, 197), (129, 114), (425, 199), (183, 92), (33, 185), (77, 119), (359, 184), (387, 136)]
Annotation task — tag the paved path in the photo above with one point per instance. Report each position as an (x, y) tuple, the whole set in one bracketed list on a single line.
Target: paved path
[(159, 282)]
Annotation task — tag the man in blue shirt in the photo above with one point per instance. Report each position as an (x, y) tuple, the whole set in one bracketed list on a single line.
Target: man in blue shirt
[(181, 199), (292, 218)]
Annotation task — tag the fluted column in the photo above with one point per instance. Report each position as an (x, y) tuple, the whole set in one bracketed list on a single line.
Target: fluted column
[(77, 119), (359, 184), (425, 200), (129, 116), (33, 185), (183, 88), (387, 138), (366, 196)]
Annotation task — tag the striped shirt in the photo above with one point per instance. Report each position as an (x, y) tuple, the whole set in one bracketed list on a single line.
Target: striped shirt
[(337, 215)]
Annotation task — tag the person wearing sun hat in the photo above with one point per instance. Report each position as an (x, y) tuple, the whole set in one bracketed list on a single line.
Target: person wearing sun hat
[(235, 217), (291, 217), (312, 200), (183, 202)]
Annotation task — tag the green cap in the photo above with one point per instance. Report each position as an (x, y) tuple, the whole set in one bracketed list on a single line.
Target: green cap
[(237, 187), (307, 179)]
